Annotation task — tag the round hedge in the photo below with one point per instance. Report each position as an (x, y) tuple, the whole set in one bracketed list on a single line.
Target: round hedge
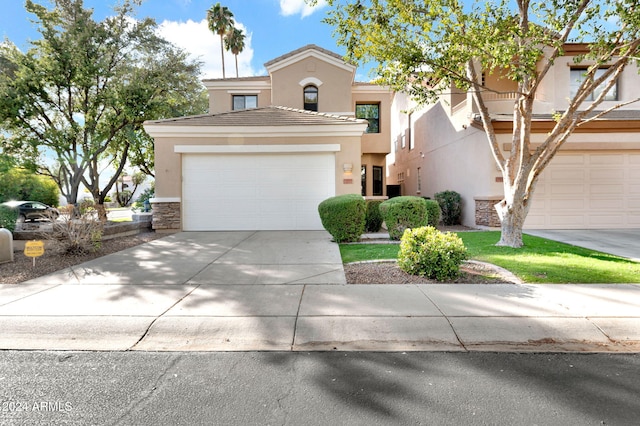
[(400, 213), (343, 216), (428, 252)]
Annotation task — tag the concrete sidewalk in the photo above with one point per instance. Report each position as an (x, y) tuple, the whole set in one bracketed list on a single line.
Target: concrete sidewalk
[(286, 292)]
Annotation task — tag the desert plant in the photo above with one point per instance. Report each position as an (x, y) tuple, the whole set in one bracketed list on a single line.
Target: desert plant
[(78, 235), (8, 217), (343, 217), (433, 213), (404, 212), (451, 206), (428, 252), (373, 218)]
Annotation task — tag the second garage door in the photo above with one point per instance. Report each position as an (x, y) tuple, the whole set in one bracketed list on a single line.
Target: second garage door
[(255, 191), (588, 190)]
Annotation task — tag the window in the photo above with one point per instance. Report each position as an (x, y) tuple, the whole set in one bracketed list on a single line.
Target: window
[(377, 180), (245, 101), (363, 179), (578, 76), (311, 98), (412, 142), (371, 113), (419, 182)]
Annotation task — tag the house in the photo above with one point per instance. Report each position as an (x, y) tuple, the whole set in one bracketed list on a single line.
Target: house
[(593, 182), (272, 147)]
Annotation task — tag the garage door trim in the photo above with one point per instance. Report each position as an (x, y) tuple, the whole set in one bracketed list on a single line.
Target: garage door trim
[(255, 149)]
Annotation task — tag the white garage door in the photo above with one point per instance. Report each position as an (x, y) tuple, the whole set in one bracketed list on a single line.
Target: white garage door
[(594, 190), (255, 191)]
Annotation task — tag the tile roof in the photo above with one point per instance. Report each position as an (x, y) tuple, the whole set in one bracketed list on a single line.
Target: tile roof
[(300, 50), (253, 78), (267, 116)]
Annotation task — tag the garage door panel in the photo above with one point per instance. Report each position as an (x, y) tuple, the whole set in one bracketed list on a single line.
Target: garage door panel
[(567, 189), (596, 159), (256, 191), (606, 204), (617, 189), (588, 190)]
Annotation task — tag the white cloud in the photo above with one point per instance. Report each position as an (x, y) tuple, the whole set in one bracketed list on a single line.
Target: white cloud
[(293, 7), (201, 44)]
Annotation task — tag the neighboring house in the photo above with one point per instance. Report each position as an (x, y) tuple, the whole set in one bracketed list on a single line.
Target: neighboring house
[(272, 147), (593, 182)]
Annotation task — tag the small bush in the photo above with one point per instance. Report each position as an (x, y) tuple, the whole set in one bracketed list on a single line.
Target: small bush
[(433, 213), (343, 217), (428, 252), (8, 217), (78, 235), (404, 212), (373, 218), (451, 206)]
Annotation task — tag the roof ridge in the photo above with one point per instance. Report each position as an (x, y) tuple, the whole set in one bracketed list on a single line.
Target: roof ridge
[(320, 114)]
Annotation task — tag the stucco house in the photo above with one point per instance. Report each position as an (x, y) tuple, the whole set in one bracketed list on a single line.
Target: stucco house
[(272, 147), (593, 182)]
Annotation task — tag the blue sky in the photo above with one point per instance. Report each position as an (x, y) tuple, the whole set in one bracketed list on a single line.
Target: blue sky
[(273, 27)]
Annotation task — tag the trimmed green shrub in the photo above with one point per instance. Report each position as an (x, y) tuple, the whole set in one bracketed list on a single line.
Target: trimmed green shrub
[(8, 217), (451, 206), (433, 213), (373, 218), (343, 217), (428, 252), (400, 213)]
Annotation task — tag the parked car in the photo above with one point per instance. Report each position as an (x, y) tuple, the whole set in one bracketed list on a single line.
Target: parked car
[(33, 210)]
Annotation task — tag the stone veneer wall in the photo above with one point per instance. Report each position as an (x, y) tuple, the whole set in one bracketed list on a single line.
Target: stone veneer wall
[(166, 216), (486, 214)]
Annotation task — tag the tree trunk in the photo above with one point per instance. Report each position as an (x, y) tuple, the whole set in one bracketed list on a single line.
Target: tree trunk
[(102, 212), (222, 55), (512, 216)]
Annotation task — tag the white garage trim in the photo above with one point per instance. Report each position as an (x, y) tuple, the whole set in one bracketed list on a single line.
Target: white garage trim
[(254, 149), (165, 200)]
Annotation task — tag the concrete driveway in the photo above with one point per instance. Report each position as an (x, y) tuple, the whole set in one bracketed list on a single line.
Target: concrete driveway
[(229, 258), (620, 242)]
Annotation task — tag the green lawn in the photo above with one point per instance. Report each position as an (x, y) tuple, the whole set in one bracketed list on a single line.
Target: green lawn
[(540, 261)]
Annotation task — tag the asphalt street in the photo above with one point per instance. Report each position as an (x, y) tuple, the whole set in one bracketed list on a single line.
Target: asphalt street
[(319, 388)]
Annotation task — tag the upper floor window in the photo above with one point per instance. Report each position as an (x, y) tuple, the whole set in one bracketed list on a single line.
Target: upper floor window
[(578, 75), (311, 98), (245, 101), (371, 113)]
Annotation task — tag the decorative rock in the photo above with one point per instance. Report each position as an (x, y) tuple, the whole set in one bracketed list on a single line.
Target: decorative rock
[(6, 246)]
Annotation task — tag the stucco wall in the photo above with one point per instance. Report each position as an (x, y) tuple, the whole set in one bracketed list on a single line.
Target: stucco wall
[(333, 93), (169, 163)]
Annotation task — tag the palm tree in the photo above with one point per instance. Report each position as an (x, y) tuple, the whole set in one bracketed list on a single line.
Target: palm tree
[(234, 41), (220, 21)]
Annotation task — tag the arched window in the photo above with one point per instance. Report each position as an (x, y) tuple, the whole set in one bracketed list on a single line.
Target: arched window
[(311, 98)]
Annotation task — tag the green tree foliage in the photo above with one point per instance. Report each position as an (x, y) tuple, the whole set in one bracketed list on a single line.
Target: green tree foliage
[(82, 91), (220, 20), (234, 42), (24, 185), (430, 47)]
